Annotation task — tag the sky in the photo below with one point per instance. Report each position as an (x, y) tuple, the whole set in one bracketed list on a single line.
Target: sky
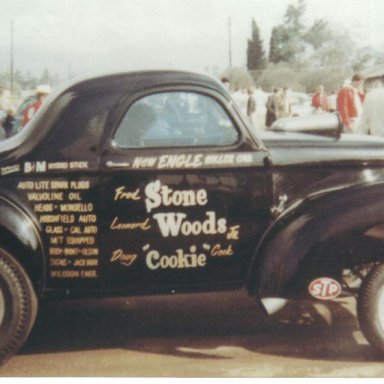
[(91, 36)]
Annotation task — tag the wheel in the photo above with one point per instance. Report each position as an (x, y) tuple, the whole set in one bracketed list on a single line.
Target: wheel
[(370, 307), (18, 306)]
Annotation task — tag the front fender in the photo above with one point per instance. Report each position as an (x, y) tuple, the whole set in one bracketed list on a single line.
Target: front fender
[(288, 255), (19, 233)]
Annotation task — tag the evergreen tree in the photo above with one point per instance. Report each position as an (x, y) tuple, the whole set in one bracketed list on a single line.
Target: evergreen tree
[(279, 47), (255, 51)]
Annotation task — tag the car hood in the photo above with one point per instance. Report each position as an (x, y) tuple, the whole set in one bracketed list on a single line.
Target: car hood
[(306, 165), (287, 148)]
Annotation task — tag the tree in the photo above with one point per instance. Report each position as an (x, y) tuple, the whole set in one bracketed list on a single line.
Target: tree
[(282, 46), (255, 51), (335, 51), (239, 78), (287, 42), (317, 34), (294, 42), (45, 77), (280, 75)]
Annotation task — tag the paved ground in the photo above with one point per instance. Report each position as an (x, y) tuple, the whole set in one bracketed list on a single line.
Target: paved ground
[(207, 335)]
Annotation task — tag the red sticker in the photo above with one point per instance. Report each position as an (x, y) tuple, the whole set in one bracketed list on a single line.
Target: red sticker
[(324, 288)]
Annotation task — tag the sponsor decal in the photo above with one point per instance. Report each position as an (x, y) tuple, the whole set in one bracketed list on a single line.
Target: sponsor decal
[(43, 166), (35, 166), (193, 161), (10, 169), (180, 161), (324, 288), (67, 219), (64, 165)]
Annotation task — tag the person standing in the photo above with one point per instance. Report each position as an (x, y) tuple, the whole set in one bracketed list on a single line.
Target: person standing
[(8, 122), (251, 107), (42, 92), (332, 102), (350, 104), (271, 109), (320, 100), (372, 117), (283, 103)]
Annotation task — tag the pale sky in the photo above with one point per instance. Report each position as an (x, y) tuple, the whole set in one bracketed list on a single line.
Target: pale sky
[(86, 36)]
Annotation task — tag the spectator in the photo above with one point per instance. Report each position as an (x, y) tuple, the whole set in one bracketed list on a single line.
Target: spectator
[(42, 92), (332, 102), (271, 109), (226, 83), (8, 123), (320, 100), (350, 103), (372, 117), (283, 103), (251, 107), (240, 97)]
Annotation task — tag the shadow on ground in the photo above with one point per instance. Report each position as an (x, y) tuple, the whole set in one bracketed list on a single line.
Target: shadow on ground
[(194, 325)]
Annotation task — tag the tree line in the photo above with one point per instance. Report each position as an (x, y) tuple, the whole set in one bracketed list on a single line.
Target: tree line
[(27, 80), (302, 56)]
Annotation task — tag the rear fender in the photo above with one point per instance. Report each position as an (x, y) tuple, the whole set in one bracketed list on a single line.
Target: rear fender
[(19, 234), (288, 256)]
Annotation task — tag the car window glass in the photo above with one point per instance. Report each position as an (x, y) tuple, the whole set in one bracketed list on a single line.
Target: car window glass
[(80, 128), (175, 119)]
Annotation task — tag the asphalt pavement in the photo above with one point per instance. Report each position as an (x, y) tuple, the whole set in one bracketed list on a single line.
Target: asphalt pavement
[(194, 335)]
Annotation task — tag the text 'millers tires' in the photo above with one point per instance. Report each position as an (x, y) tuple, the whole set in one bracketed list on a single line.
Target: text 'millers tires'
[(370, 307), (18, 306)]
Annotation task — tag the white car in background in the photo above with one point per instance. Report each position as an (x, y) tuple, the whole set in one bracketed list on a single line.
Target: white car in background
[(301, 104)]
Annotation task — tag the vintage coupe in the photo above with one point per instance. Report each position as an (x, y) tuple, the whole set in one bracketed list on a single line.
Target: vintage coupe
[(153, 182)]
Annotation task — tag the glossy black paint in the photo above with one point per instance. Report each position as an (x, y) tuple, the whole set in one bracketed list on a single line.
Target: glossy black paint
[(333, 188)]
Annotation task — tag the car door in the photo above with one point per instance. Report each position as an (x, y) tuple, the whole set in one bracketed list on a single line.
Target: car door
[(186, 194)]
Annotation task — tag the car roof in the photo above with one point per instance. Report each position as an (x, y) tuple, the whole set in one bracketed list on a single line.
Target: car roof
[(138, 80)]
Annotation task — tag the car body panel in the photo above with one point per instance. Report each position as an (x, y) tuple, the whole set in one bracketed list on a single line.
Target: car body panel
[(115, 220)]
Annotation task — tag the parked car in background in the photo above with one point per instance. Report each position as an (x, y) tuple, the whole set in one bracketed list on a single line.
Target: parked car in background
[(301, 104)]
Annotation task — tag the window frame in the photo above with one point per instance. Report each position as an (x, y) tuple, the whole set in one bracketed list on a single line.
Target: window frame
[(225, 104)]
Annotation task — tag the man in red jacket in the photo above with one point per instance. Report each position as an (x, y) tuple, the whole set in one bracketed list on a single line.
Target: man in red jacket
[(349, 103), (42, 92)]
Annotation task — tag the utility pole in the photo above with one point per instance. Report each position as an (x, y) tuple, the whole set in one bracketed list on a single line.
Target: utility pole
[(12, 74), (229, 43)]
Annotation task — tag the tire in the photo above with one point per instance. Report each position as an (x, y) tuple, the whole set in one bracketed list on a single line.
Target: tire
[(18, 306), (370, 308)]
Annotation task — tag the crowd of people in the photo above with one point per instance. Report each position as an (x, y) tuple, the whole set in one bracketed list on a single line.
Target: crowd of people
[(361, 111), (14, 120)]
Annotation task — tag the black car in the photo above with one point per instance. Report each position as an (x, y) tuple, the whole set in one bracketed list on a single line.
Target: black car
[(153, 182)]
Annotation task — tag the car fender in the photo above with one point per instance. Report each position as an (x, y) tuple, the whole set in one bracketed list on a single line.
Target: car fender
[(20, 234), (290, 243)]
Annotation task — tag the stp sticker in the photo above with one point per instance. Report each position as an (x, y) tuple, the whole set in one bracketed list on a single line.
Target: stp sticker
[(324, 288)]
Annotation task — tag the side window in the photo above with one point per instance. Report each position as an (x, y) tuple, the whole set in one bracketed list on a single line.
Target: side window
[(175, 119)]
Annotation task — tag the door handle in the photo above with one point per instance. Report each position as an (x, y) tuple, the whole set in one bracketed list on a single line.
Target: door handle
[(116, 164)]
